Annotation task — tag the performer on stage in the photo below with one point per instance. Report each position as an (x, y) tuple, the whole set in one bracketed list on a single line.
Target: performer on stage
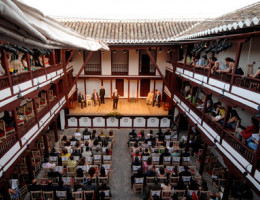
[(157, 98), (115, 99), (102, 94), (95, 98), (82, 100), (150, 96)]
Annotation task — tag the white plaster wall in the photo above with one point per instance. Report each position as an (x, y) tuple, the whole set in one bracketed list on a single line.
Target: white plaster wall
[(106, 63), (161, 61), (159, 85), (125, 88), (133, 88), (106, 84), (133, 62), (77, 62), (80, 86), (92, 84)]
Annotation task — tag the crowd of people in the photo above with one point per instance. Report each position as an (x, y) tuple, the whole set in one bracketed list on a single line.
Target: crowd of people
[(85, 158)]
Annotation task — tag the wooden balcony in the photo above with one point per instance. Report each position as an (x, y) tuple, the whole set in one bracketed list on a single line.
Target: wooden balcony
[(20, 78), (7, 144), (249, 83), (4, 83), (119, 69), (93, 69), (27, 126)]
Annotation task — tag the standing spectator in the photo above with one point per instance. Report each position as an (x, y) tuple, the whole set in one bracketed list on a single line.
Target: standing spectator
[(102, 94)]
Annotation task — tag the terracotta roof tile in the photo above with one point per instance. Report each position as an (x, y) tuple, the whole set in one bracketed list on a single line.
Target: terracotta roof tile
[(132, 31)]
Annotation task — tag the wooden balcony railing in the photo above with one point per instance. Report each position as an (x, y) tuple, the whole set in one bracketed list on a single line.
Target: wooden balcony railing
[(240, 147), (7, 144), (214, 125), (119, 69), (250, 83), (188, 67), (196, 110), (53, 68), (27, 126), (38, 73), (4, 83), (20, 78), (147, 69), (43, 111), (222, 77), (93, 69), (201, 71)]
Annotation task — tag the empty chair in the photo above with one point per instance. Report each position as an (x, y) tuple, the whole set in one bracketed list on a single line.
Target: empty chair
[(62, 195), (48, 195), (138, 185), (77, 195), (35, 195), (176, 161), (167, 160)]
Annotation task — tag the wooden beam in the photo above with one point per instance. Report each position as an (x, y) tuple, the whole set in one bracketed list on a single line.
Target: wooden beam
[(69, 59), (137, 90), (156, 66), (7, 72), (82, 67), (128, 89)]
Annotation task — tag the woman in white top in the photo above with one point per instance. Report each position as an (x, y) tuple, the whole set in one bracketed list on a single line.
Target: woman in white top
[(77, 134), (230, 63), (217, 65)]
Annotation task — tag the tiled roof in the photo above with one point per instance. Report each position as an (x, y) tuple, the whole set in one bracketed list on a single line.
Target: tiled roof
[(242, 18), (129, 31)]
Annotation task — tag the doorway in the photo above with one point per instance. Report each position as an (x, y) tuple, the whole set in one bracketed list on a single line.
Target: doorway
[(144, 87), (145, 67), (120, 86)]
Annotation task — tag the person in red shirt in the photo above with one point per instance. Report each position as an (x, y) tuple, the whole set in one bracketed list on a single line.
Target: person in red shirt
[(247, 133)]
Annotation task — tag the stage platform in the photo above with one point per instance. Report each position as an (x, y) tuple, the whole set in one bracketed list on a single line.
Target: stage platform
[(124, 107)]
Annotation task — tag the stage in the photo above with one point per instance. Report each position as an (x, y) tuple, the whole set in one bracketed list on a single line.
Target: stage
[(125, 108)]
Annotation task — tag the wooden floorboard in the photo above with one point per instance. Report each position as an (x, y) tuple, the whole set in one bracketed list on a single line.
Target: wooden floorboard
[(124, 107)]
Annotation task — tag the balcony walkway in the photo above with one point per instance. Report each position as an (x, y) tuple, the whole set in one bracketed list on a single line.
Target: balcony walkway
[(124, 107)]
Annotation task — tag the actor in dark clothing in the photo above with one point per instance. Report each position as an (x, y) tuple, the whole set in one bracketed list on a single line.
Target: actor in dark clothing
[(82, 100), (95, 98), (157, 98), (115, 99), (102, 94)]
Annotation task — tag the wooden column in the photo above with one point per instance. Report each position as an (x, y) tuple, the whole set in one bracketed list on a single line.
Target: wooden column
[(137, 90), (239, 47), (228, 185), (46, 144), (30, 166), (55, 129), (16, 126), (111, 91), (188, 137), (29, 66), (53, 57), (204, 153), (7, 72)]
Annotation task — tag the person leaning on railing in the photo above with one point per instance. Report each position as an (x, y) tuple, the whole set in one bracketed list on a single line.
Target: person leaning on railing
[(257, 74), (230, 63)]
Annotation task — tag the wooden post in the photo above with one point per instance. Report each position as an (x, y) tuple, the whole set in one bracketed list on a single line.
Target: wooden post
[(30, 166), (7, 72), (204, 153), (229, 182), (46, 144), (16, 126), (35, 109), (29, 66), (128, 89), (55, 129)]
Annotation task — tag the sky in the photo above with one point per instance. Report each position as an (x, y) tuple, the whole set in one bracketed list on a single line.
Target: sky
[(137, 9)]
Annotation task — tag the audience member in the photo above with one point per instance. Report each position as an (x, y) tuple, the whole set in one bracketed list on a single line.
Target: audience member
[(247, 132)]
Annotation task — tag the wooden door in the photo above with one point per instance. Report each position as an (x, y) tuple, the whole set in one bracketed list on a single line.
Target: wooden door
[(120, 86), (145, 67), (144, 87)]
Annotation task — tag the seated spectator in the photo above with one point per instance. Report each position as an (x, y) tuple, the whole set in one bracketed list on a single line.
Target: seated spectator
[(86, 132), (49, 186), (90, 186), (155, 186), (91, 172), (161, 172), (87, 153), (93, 135), (61, 187), (193, 185), (73, 138), (147, 164), (132, 133), (146, 152), (136, 161), (166, 186), (54, 174), (145, 144), (230, 63), (34, 186), (139, 174), (186, 171), (47, 165), (196, 144), (247, 133), (164, 154), (175, 172), (54, 152), (77, 133), (79, 172), (82, 162), (208, 105), (64, 138), (65, 153), (233, 120), (176, 153), (160, 135), (219, 113), (150, 97), (102, 172), (256, 75), (77, 186), (168, 132), (180, 185), (8, 118), (14, 193), (218, 65), (253, 141), (76, 153), (150, 172), (72, 162)]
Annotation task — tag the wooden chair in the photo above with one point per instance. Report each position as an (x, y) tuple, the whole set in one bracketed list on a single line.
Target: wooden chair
[(167, 160), (77, 195), (166, 194), (154, 193), (71, 171), (66, 181), (37, 156), (180, 193), (106, 192), (53, 159), (89, 194), (155, 160), (149, 181), (36, 195), (102, 180), (107, 159), (97, 159), (138, 185), (62, 195), (79, 179), (174, 180), (176, 161), (204, 194), (89, 100), (135, 168), (7, 130), (47, 195), (185, 161)]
